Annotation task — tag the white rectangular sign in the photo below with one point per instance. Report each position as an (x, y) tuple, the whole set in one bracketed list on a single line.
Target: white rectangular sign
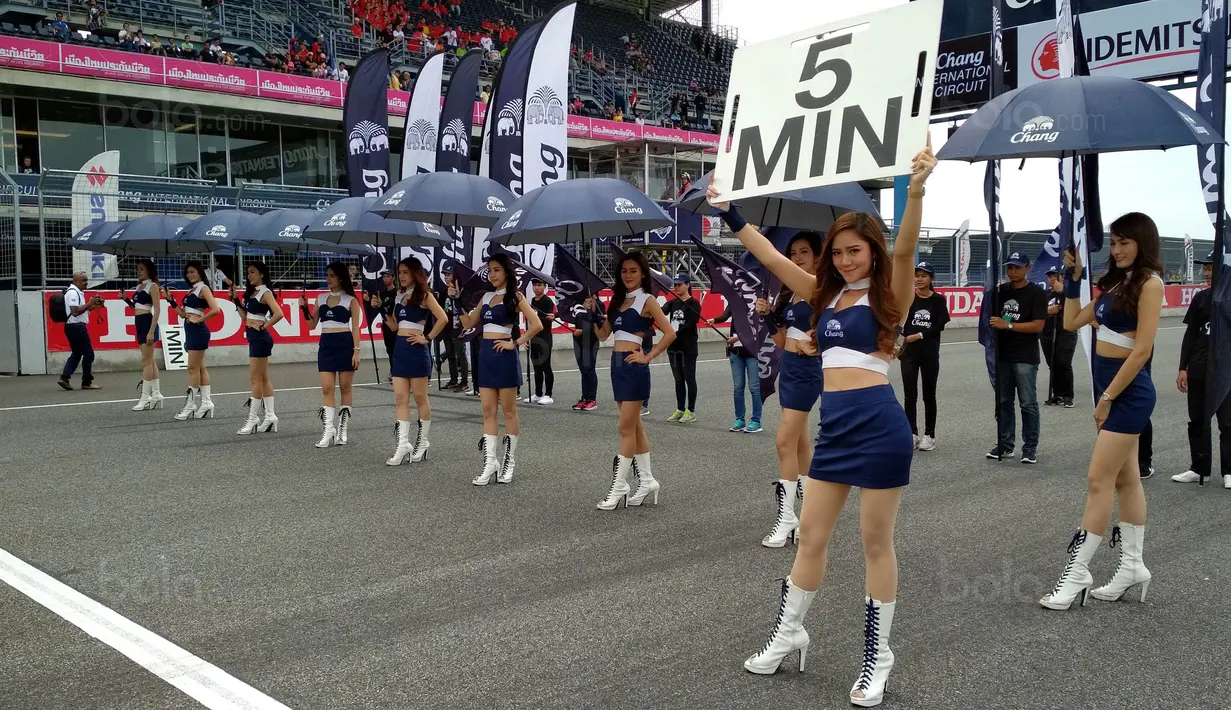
[(174, 356), (1149, 39), (839, 103)]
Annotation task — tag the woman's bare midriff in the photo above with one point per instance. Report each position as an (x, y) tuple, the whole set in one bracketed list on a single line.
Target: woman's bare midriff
[(627, 346), (1114, 351), (796, 347), (840, 379), (335, 330), (255, 324)]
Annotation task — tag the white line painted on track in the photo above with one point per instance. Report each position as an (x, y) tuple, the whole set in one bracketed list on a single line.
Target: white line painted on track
[(202, 681), (246, 393)]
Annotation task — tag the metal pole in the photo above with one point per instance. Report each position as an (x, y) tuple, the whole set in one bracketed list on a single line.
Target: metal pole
[(16, 231), (42, 235)]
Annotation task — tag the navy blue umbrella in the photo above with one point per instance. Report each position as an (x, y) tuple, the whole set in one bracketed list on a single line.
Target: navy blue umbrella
[(578, 210), (1081, 115), (447, 199), (351, 221), (154, 235), (217, 230), (283, 231), (814, 208), (525, 274), (95, 237)]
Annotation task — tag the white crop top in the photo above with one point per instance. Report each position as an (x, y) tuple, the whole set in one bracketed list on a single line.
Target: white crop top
[(335, 316)]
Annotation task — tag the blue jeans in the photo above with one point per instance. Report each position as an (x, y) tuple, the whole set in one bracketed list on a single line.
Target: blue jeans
[(1017, 378), (744, 373)]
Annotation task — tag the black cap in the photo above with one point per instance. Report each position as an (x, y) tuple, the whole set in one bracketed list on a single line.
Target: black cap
[(1017, 258), (1209, 259), (1054, 270), (923, 266), (682, 278)]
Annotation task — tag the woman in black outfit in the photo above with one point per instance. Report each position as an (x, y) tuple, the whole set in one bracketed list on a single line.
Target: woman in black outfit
[(684, 312), (585, 351), (921, 354), (540, 345)]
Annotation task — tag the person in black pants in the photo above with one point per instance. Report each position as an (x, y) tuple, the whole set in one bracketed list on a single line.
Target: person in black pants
[(540, 345), (382, 302), (929, 313), (1020, 311), (1192, 380), (1058, 344), (458, 371), (684, 313), (585, 351), (78, 308)]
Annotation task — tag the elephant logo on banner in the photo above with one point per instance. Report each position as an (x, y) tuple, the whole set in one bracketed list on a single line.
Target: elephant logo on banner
[(545, 108), (424, 132), (508, 120), (455, 139), (367, 137)]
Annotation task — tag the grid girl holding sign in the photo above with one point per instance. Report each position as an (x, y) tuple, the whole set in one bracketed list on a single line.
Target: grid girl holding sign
[(859, 296)]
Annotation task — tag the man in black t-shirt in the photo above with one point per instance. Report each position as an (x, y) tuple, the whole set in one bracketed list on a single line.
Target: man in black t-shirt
[(1018, 315), (1194, 359), (380, 303), (540, 345), (1058, 344), (684, 312)]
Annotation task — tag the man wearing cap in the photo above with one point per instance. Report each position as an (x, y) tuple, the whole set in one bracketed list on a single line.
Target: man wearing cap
[(1018, 315), (383, 301), (449, 298), (540, 345), (684, 312), (1058, 344), (1194, 359)]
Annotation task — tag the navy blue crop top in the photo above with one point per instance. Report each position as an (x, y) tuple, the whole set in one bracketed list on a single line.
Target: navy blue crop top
[(255, 307), (194, 305), (798, 319), (848, 338), (494, 314), (408, 316), (143, 301), (337, 316), (630, 325), (1113, 323)]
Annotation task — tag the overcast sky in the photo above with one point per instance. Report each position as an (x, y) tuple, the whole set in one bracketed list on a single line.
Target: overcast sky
[(1165, 185)]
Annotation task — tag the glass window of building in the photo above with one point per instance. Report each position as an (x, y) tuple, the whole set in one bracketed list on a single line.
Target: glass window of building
[(8, 136), (255, 151), (183, 159), (305, 156), (663, 185), (69, 134), (137, 132), (212, 134)]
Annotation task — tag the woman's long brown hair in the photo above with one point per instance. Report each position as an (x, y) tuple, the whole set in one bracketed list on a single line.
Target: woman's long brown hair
[(419, 278), (829, 282), (1141, 229)]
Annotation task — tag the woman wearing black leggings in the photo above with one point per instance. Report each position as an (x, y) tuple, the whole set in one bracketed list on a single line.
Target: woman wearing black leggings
[(684, 312), (921, 354)]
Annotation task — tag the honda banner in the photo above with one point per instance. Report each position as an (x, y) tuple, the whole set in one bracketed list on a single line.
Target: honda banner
[(96, 198)]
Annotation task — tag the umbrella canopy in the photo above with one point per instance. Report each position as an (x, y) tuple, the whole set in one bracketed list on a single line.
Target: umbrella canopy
[(283, 231), (525, 274), (814, 208), (448, 199), (154, 235), (1079, 115), (94, 237), (217, 229), (350, 221), (578, 210)]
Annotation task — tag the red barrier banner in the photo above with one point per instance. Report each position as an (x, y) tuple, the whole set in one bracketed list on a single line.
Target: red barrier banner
[(111, 64), (29, 54), (211, 77)]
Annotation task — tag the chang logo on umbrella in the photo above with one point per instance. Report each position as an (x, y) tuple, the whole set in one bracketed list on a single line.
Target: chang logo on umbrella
[(512, 220), (338, 220), (292, 231), (833, 329), (84, 236), (367, 137), (431, 229), (393, 199), (544, 108), (1037, 129), (455, 138), (421, 135), (217, 230), (508, 121), (1192, 123), (495, 204), (623, 205)]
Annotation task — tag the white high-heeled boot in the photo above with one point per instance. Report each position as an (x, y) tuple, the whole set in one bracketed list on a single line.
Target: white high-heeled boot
[(507, 462), (488, 445), (788, 634), (1131, 571), (143, 402), (877, 656), (620, 489), (206, 408), (328, 432), (343, 421), (787, 525), (1075, 580), (156, 397), (254, 417), (404, 450), (420, 448), (645, 480), (270, 422), (190, 405)]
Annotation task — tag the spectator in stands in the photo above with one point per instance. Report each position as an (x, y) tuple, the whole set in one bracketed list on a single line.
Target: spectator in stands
[(343, 74), (140, 42), (484, 95), (575, 107), (156, 47), (399, 36), (187, 49), (455, 7), (609, 111), (95, 16), (698, 102), (27, 166), (125, 37), (59, 27), (451, 38)]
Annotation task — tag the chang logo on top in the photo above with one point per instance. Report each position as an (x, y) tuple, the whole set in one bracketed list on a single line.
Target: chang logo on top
[(833, 329), (1037, 129), (624, 205), (1011, 311), (922, 319), (338, 220)]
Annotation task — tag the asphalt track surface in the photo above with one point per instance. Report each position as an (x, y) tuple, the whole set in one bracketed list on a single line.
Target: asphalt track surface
[(326, 579)]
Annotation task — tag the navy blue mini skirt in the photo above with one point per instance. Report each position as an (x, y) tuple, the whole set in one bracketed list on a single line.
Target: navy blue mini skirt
[(260, 342), (498, 369), (630, 382), (196, 336), (410, 361), (800, 380), (336, 352), (865, 439), (143, 322), (1132, 409)]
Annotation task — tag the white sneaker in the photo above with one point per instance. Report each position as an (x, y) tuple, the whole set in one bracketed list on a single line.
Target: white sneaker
[(1226, 481), (546, 400), (926, 443), (1188, 476), (532, 399), (916, 441)]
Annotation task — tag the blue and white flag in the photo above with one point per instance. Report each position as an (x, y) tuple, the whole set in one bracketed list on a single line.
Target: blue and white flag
[(991, 198), (453, 139), (365, 121)]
